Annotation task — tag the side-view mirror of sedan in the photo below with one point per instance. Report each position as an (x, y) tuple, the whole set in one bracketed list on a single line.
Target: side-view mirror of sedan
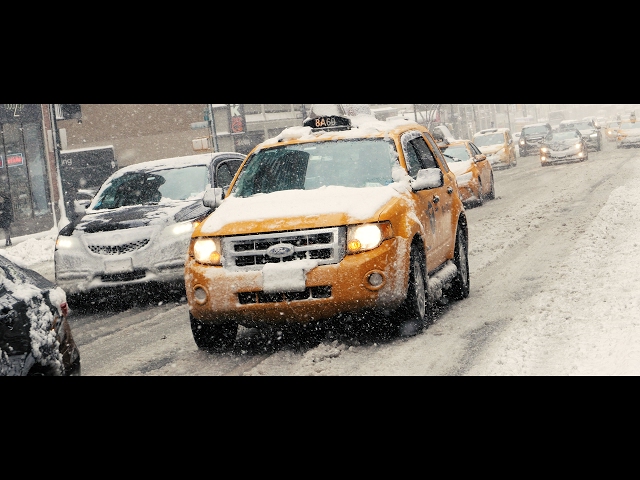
[(213, 197)]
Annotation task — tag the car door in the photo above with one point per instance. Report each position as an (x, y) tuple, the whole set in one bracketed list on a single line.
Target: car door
[(483, 166)]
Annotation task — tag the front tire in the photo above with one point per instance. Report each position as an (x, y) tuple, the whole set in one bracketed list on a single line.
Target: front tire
[(213, 337), (413, 313), (492, 191), (461, 286)]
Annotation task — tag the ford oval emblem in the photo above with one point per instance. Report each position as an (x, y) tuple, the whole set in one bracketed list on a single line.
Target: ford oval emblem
[(281, 250)]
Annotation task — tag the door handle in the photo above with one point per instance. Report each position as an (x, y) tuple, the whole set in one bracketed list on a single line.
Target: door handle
[(449, 189), (436, 199)]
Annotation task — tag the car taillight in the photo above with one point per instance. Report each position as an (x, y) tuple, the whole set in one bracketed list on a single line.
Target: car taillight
[(64, 308)]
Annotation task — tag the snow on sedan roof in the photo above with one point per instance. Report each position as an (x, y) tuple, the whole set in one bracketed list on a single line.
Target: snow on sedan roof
[(200, 159)]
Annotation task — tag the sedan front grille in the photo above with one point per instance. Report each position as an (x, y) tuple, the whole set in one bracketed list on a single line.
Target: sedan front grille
[(249, 252), (118, 249)]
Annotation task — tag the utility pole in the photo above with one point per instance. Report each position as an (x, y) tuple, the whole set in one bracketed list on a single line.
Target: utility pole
[(212, 127)]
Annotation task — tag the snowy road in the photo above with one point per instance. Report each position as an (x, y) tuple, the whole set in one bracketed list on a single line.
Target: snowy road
[(522, 270)]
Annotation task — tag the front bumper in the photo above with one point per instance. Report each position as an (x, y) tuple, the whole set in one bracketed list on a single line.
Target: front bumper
[(628, 142), (144, 257), (342, 287), (561, 157)]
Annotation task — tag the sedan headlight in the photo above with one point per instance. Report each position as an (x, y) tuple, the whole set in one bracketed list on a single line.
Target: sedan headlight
[(578, 146), (593, 135), (65, 243), (182, 228), (368, 236), (522, 141), (544, 149), (207, 251)]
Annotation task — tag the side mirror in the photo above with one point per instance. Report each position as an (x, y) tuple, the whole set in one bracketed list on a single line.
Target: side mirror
[(480, 158), (79, 208), (213, 197), (427, 179)]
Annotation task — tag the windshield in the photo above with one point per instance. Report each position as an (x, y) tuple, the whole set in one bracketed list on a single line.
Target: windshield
[(458, 152), (533, 130), (485, 140), (578, 125), (347, 163), (563, 135), (152, 187)]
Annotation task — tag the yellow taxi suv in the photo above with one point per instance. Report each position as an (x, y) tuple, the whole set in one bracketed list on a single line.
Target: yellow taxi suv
[(473, 171), (345, 217), (497, 144), (611, 130), (628, 134)]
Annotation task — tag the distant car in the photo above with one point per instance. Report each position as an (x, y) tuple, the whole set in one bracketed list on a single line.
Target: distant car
[(563, 146), (473, 171), (589, 130), (35, 336), (497, 144), (138, 226), (531, 136), (628, 135), (611, 130)]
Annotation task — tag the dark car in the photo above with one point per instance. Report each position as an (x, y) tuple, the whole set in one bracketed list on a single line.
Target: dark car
[(588, 128), (531, 136), (563, 146), (138, 226), (35, 336)]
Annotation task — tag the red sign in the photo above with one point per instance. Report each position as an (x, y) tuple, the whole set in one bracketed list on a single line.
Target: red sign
[(12, 160)]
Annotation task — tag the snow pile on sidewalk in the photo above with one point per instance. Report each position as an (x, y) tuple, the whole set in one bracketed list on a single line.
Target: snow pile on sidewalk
[(32, 250)]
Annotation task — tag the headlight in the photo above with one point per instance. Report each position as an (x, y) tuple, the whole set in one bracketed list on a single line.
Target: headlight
[(207, 251), (182, 228), (464, 179), (579, 146), (544, 149), (65, 243), (593, 135), (522, 142), (361, 238)]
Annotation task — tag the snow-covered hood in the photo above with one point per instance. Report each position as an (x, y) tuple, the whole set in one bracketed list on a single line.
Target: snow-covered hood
[(459, 168), (295, 209), (141, 216), (557, 145), (491, 149)]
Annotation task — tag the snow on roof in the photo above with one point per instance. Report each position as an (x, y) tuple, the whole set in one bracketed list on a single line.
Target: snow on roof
[(199, 159), (86, 149)]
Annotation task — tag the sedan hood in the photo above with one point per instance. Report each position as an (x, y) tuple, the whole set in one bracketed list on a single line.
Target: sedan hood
[(141, 216), (562, 145)]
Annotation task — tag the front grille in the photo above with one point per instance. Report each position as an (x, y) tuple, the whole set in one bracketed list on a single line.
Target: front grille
[(118, 249), (249, 252), (250, 298), (124, 277)]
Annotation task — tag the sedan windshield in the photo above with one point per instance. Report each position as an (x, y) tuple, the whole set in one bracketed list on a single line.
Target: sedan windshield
[(486, 140), (152, 187), (563, 135), (534, 130), (347, 163)]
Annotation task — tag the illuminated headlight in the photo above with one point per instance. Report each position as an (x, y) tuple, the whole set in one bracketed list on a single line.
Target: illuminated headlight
[(578, 146), (544, 149), (593, 135), (361, 238), (66, 243), (182, 228), (522, 142), (464, 179), (207, 251)]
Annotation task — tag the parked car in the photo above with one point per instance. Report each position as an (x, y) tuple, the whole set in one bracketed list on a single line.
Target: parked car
[(531, 136), (590, 131), (473, 171), (497, 144), (35, 336), (137, 227), (349, 218), (563, 146), (628, 135)]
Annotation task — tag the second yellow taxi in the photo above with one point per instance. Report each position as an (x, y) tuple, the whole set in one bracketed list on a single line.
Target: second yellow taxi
[(473, 171)]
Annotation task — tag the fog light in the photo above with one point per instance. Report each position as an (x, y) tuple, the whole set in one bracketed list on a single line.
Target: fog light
[(375, 279), (200, 295)]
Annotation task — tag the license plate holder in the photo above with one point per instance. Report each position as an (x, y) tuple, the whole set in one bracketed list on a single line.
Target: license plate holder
[(120, 265)]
